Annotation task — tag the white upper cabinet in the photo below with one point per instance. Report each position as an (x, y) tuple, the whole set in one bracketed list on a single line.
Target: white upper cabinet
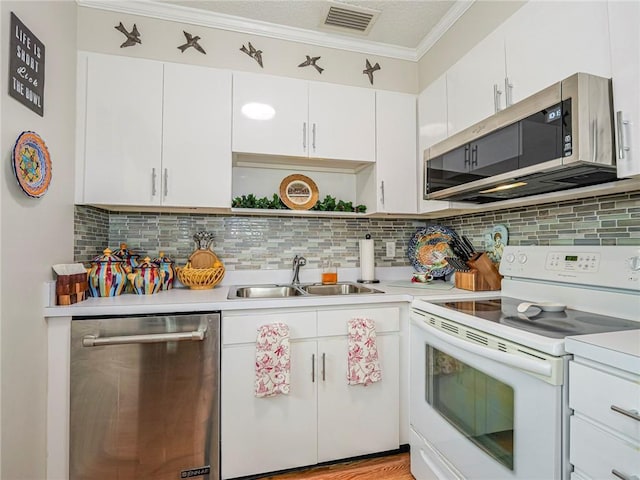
[(549, 41), (475, 84), (123, 130), (153, 133), (342, 122), (396, 152), (196, 140), (270, 115), (624, 18), (285, 116)]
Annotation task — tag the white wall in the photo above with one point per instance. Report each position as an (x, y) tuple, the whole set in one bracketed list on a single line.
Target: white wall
[(35, 234), (160, 39)]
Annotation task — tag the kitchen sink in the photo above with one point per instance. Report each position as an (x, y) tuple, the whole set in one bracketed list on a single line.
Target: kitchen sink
[(265, 291), (337, 289), (285, 291)]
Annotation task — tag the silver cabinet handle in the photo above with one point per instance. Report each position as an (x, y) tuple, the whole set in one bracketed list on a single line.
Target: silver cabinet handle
[(622, 148), (594, 140), (382, 192), (95, 341), (166, 182), (324, 377), (313, 134), (304, 136), (153, 182), (496, 97), (508, 90), (313, 367), (621, 475), (629, 413)]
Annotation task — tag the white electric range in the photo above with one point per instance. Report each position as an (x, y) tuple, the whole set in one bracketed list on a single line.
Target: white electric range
[(488, 375)]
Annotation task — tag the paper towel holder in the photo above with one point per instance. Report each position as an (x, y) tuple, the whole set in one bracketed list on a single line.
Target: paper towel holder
[(367, 237)]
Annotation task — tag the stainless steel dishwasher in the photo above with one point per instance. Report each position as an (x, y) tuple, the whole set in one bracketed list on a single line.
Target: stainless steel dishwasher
[(145, 397)]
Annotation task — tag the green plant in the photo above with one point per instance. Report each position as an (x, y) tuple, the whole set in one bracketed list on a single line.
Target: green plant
[(329, 204)]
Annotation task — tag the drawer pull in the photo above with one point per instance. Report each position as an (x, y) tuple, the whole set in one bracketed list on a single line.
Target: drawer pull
[(629, 413), (313, 367), (623, 476)]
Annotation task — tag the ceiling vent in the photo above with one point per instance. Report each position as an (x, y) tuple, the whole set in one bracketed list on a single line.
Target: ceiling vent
[(341, 16)]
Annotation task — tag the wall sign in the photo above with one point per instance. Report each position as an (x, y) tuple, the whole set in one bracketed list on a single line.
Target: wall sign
[(26, 67)]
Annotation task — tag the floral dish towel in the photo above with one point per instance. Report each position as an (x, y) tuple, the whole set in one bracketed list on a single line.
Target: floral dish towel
[(272, 360), (363, 366)]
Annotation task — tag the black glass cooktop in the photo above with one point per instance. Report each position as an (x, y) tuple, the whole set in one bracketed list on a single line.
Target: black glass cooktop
[(503, 310)]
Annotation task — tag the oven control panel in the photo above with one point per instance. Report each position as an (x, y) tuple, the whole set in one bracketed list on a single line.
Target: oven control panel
[(573, 262), (604, 266)]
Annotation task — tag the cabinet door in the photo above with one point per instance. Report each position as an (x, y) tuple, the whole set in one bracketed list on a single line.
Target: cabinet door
[(343, 122), (624, 18), (475, 84), (196, 140), (270, 115), (396, 166), (123, 133), (549, 41), (261, 435), (354, 419)]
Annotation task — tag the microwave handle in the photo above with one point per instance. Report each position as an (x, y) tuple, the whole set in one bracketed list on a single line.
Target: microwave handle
[(594, 140), (533, 366)]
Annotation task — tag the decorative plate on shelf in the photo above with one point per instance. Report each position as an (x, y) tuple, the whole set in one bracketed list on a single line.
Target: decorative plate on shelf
[(31, 164), (494, 241), (428, 248), (298, 192)]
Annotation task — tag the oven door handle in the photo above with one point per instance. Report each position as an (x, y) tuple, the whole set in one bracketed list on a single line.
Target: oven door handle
[(533, 366)]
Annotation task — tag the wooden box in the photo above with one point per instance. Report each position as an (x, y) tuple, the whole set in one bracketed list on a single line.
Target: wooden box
[(71, 288)]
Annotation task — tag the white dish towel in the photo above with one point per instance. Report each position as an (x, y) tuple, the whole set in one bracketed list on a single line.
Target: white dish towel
[(272, 360), (363, 366)]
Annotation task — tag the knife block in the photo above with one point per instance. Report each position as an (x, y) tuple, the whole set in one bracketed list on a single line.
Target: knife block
[(483, 276)]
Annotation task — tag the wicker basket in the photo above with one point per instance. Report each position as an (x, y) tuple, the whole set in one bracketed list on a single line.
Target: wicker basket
[(200, 278)]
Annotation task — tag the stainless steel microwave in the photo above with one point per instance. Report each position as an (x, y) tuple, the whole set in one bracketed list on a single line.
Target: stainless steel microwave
[(557, 139)]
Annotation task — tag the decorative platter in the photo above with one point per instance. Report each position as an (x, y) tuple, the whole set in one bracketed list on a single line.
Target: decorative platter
[(495, 240), (428, 248), (298, 192), (31, 164)]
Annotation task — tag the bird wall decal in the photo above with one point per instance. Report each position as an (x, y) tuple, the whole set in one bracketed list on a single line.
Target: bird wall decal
[(311, 61), (253, 53), (369, 70), (133, 37), (191, 42)]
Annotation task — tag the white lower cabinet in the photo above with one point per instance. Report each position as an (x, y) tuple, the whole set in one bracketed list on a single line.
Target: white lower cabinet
[(604, 435), (322, 418)]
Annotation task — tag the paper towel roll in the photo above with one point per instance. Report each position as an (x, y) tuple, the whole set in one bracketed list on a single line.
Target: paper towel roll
[(367, 263)]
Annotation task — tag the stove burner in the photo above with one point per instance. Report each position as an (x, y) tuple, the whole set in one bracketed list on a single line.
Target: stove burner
[(549, 324)]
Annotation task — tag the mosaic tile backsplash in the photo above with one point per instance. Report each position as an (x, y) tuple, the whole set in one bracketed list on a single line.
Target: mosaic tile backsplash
[(254, 242)]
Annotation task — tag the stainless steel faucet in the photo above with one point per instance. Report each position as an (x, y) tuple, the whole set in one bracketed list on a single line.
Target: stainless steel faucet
[(297, 263)]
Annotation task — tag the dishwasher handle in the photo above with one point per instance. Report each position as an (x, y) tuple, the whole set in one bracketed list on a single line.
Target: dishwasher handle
[(95, 341)]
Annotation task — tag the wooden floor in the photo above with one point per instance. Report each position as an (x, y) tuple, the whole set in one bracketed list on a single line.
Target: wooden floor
[(392, 467)]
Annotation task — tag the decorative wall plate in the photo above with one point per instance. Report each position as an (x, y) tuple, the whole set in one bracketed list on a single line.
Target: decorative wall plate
[(298, 192), (428, 248), (495, 240), (31, 164)]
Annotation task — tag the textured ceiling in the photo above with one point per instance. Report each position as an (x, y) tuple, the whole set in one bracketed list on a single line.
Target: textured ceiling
[(402, 23)]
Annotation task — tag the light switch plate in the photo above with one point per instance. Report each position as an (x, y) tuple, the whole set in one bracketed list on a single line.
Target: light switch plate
[(391, 249)]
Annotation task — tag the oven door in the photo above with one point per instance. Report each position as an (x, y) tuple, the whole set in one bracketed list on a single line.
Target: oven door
[(483, 412)]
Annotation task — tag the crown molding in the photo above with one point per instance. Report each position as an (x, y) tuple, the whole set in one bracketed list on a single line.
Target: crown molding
[(443, 25), (193, 16)]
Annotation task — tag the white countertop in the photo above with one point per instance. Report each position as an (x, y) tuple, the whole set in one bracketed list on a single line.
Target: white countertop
[(185, 300), (617, 349)]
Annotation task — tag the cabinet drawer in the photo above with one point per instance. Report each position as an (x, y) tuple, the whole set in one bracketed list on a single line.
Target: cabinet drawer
[(595, 453), (244, 328), (334, 322), (592, 392)]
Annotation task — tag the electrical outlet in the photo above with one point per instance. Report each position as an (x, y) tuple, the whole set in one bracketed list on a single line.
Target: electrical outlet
[(391, 249)]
